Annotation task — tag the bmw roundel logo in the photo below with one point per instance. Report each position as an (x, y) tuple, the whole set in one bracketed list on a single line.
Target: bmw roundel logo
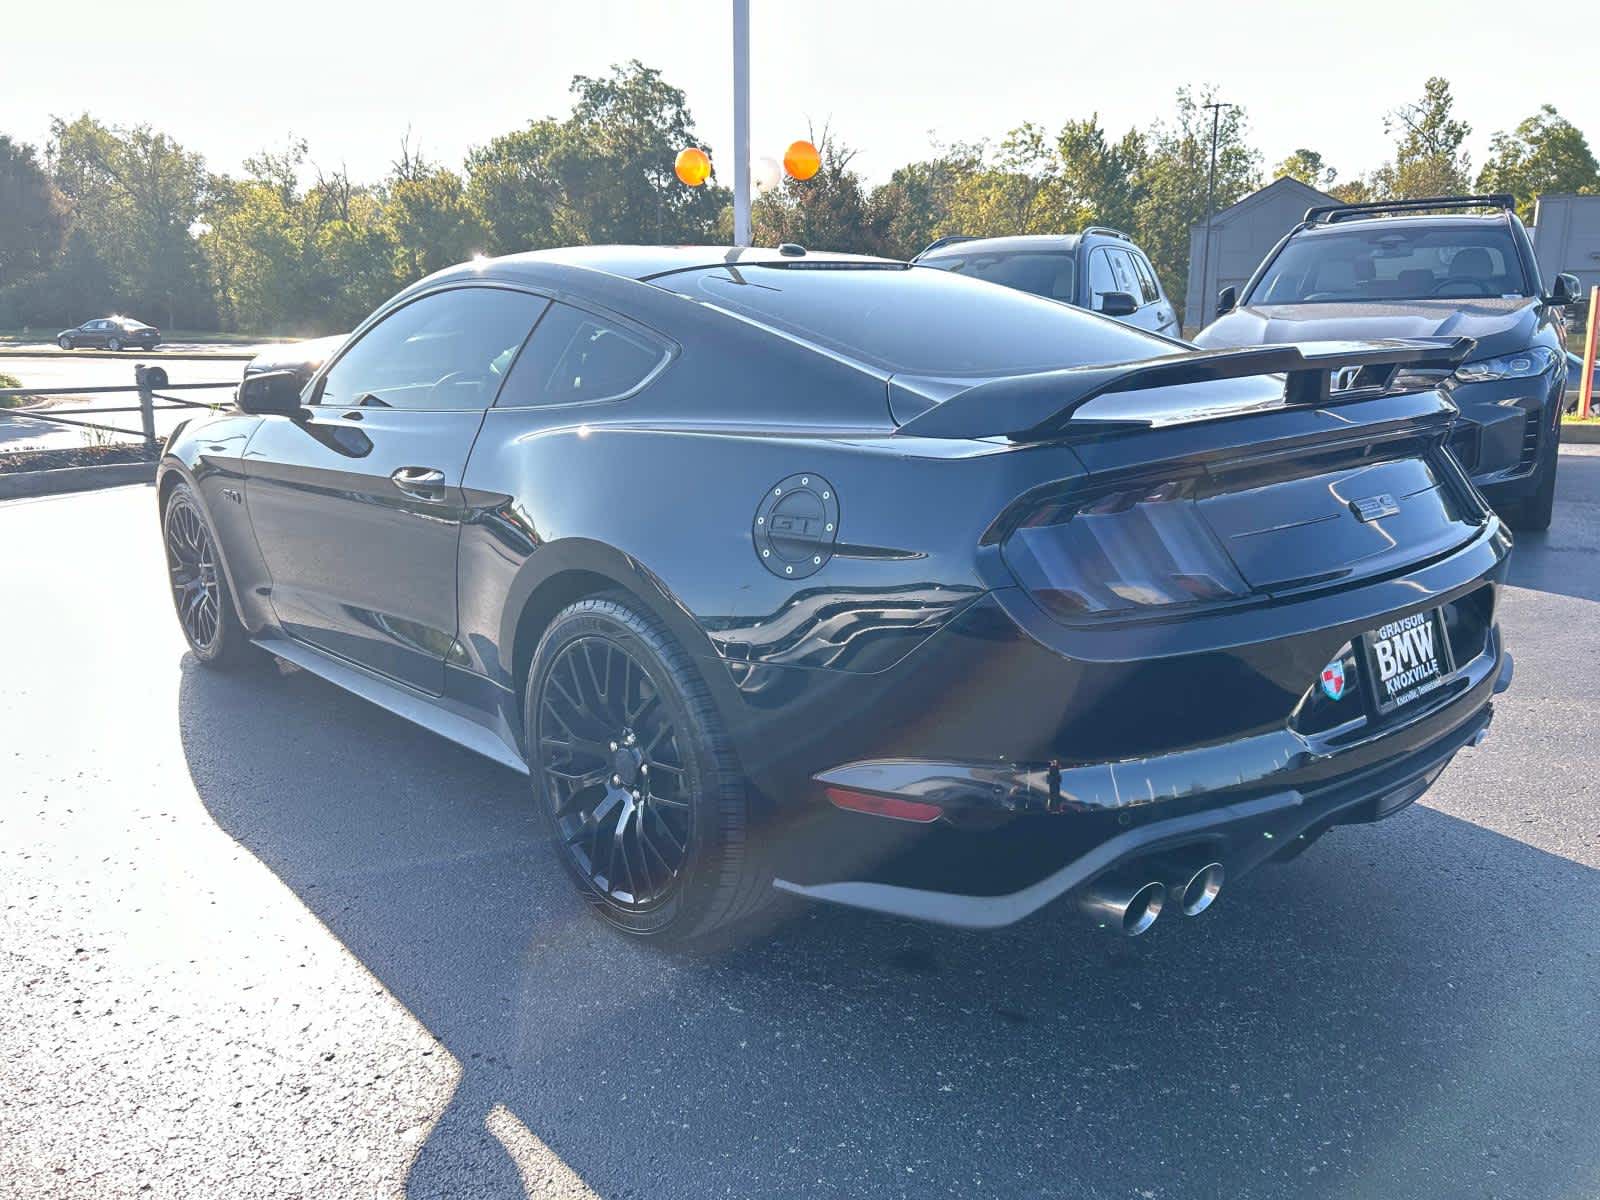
[(1333, 679)]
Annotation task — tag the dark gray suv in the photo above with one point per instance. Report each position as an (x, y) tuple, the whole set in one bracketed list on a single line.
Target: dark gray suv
[(1099, 269), (1441, 266)]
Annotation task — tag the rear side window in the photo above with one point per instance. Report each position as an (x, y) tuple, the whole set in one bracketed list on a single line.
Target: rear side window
[(576, 356), (912, 320), (446, 351), (1147, 278)]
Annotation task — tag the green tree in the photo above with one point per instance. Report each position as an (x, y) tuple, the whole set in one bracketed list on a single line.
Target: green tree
[(1428, 159), (1308, 167), (914, 207), (37, 215), (137, 193), (604, 174), (1545, 154), (1172, 197), (1101, 179), (829, 211), (434, 226), (1018, 190)]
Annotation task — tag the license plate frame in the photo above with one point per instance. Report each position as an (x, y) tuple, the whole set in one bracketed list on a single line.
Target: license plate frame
[(1401, 641)]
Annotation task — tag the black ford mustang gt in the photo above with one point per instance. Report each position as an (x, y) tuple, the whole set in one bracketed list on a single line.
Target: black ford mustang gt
[(861, 581)]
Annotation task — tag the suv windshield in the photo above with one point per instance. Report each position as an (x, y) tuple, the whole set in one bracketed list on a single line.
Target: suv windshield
[(1453, 262), (905, 320), (1048, 273)]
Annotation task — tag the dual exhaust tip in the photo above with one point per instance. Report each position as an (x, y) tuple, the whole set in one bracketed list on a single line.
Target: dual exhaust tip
[(1128, 902)]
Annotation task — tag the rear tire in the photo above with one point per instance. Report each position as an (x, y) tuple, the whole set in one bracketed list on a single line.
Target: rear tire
[(199, 585), (114, 344), (641, 794)]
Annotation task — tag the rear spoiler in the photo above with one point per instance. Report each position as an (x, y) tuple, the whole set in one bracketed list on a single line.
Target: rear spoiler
[(1037, 407)]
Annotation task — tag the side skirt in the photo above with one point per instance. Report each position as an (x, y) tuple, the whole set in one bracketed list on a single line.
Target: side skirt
[(430, 712)]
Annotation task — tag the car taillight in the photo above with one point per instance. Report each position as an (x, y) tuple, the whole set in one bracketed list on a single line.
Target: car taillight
[(1126, 552)]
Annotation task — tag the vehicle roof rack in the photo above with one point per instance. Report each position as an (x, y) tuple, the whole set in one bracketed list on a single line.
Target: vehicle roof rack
[(947, 240), (1327, 214), (1107, 231)]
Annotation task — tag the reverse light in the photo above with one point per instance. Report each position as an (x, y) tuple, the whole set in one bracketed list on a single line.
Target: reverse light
[(1128, 552), (1524, 364)]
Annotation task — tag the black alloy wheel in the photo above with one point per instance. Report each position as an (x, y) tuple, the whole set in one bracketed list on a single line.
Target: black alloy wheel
[(64, 342), (644, 803), (199, 587), (614, 773)]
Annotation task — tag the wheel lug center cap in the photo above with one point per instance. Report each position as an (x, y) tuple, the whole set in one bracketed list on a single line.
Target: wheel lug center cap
[(625, 763)]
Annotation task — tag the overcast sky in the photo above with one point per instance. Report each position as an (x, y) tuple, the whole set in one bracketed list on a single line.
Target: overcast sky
[(227, 79)]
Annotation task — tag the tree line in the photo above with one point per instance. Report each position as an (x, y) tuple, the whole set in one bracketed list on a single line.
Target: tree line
[(125, 219)]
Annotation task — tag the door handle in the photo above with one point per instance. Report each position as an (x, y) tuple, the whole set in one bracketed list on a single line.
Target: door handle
[(424, 483)]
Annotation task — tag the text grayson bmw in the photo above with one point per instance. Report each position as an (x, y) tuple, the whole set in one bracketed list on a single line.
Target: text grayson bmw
[(863, 581)]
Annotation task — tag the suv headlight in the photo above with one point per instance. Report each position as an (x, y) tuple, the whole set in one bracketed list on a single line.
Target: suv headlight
[(1524, 364)]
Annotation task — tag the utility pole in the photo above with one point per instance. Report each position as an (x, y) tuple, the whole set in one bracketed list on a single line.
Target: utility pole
[(1211, 200), (741, 122)]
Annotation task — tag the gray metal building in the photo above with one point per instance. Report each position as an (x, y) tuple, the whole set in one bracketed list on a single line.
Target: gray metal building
[(1241, 235), (1566, 237)]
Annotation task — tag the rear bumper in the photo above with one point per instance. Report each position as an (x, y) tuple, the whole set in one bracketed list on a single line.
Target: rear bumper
[(1241, 832)]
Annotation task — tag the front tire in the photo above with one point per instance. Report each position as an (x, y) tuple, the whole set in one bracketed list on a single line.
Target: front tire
[(64, 342), (643, 799), (199, 585)]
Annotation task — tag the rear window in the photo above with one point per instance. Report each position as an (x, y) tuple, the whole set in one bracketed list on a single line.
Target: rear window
[(1456, 262), (917, 321), (1048, 273)]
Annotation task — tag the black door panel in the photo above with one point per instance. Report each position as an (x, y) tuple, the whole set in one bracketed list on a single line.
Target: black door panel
[(362, 564)]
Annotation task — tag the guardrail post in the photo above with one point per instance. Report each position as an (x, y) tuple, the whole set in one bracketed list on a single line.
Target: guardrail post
[(147, 402)]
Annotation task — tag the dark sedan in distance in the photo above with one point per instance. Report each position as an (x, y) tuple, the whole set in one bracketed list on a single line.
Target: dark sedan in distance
[(110, 333), (882, 586)]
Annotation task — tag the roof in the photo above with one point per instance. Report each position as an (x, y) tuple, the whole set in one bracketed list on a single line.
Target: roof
[(1037, 242), (1283, 185), (1402, 221), (647, 262)]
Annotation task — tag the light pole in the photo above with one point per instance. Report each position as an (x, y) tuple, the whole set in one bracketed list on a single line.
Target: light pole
[(1211, 198), (741, 122)]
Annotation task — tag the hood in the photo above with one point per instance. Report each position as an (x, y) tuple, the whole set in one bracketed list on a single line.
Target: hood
[(304, 357), (1499, 326)]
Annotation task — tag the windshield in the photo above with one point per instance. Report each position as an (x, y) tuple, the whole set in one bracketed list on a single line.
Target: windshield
[(1047, 273), (1389, 263), (907, 320)]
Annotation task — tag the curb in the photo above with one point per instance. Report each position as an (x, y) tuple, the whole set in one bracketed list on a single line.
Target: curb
[(23, 484), (133, 355), (1581, 434)]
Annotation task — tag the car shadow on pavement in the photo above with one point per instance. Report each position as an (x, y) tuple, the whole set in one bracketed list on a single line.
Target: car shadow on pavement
[(1565, 559), (1407, 1010)]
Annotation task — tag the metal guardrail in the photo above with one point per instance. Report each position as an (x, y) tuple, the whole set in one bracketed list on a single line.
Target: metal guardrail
[(147, 382)]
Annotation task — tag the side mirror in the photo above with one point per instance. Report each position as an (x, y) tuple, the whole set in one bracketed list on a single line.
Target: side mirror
[(1227, 300), (271, 393), (1564, 292), (1118, 304)]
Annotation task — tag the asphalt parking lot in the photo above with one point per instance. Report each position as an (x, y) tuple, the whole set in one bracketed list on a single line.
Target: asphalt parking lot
[(260, 939)]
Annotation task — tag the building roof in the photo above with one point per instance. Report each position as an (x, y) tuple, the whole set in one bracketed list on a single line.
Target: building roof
[(1284, 185)]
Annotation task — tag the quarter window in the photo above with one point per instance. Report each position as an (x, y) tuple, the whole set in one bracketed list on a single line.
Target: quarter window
[(576, 356), (1147, 278), (447, 351)]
